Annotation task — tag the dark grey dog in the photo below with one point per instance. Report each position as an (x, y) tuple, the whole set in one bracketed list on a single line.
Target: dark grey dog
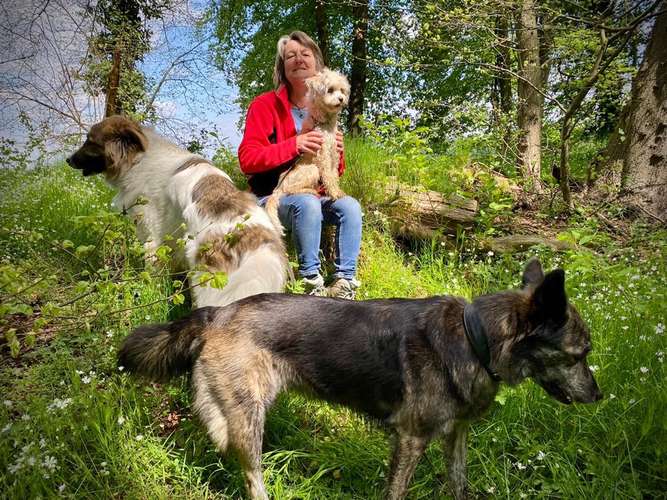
[(426, 367)]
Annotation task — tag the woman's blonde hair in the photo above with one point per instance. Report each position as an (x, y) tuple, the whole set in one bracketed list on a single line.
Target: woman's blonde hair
[(279, 77)]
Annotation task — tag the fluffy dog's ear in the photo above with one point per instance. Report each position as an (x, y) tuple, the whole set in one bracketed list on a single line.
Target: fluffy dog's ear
[(125, 140), (549, 301), (532, 274), (314, 84)]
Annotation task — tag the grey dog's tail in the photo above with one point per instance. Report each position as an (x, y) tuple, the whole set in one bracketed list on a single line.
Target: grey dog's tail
[(162, 351)]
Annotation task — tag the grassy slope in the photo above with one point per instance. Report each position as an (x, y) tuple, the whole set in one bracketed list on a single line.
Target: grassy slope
[(71, 424)]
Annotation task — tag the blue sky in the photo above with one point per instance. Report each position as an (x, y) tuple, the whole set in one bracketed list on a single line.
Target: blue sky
[(41, 57), (199, 95)]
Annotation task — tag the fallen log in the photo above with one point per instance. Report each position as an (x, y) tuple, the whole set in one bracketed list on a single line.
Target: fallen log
[(519, 242), (419, 214)]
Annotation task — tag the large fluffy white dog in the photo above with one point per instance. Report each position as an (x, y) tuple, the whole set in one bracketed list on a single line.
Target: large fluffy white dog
[(225, 230)]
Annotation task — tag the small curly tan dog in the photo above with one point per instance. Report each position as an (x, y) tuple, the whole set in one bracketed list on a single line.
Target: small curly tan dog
[(328, 93)]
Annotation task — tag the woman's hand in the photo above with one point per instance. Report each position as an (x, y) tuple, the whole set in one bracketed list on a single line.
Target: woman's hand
[(339, 142), (310, 142)]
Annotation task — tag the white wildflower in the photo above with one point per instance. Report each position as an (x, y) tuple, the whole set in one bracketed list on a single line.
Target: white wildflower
[(59, 404), (643, 369), (50, 463), (7, 403), (594, 368), (139, 437), (15, 467), (541, 455), (520, 466), (25, 417), (659, 329), (121, 420), (612, 395), (86, 379), (6, 428), (61, 488)]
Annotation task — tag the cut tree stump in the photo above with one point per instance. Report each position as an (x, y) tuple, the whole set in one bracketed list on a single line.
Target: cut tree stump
[(422, 214)]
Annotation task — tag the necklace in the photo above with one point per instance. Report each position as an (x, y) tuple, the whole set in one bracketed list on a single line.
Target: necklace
[(301, 112)]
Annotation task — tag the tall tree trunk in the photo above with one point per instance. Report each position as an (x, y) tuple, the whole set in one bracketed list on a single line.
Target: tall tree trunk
[(529, 116), (359, 66), (322, 28), (501, 96), (639, 147), (112, 105)]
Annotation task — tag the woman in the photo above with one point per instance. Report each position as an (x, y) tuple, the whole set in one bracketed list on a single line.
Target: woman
[(272, 141)]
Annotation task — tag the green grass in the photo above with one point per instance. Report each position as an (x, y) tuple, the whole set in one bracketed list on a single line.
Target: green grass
[(72, 284)]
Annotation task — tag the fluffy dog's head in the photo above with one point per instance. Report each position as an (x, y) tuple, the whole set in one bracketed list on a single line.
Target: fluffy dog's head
[(329, 92), (110, 147)]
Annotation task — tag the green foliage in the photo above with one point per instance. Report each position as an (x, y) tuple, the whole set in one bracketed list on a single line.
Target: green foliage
[(247, 33), (124, 27), (395, 149)]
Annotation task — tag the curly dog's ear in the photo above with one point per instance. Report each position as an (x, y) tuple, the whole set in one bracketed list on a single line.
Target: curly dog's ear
[(124, 140), (316, 84)]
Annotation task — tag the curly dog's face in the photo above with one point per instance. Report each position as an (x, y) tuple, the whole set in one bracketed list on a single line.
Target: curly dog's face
[(329, 90)]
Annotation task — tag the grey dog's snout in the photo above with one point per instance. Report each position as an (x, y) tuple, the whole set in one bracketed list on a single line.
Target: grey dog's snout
[(69, 160)]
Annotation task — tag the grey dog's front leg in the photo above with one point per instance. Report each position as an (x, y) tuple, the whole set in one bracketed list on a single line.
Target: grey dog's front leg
[(455, 447), (407, 453)]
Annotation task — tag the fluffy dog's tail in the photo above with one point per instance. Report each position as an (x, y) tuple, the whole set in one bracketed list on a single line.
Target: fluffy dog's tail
[(272, 210), (160, 352)]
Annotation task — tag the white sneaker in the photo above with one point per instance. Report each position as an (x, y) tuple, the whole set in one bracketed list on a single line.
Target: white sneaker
[(314, 285), (343, 288)]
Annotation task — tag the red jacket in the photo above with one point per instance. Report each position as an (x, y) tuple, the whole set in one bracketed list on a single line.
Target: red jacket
[(268, 147)]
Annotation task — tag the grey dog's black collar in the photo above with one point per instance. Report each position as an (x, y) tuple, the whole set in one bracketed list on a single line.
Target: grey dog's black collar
[(476, 335)]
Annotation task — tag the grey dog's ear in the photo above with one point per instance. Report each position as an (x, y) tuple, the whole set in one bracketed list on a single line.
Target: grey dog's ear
[(532, 274), (549, 301)]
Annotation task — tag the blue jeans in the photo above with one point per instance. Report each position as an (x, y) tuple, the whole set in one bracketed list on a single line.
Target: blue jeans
[(304, 215)]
